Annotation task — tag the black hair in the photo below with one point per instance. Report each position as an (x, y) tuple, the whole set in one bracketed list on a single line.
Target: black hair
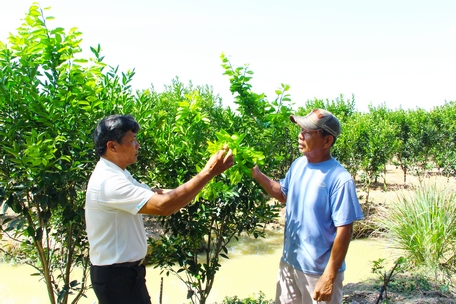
[(325, 133), (113, 128)]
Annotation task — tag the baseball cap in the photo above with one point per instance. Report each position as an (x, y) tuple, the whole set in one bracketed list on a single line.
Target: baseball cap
[(318, 119)]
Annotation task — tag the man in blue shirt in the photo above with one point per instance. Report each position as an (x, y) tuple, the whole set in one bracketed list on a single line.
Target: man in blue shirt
[(321, 206)]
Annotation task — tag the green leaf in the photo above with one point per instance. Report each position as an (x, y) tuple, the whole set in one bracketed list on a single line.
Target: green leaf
[(30, 231)]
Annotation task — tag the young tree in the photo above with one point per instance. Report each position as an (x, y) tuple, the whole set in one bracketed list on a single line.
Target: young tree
[(382, 141), (415, 134), (49, 100), (444, 145), (190, 126)]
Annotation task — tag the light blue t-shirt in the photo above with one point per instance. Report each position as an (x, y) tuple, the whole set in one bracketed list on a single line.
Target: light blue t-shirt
[(320, 197)]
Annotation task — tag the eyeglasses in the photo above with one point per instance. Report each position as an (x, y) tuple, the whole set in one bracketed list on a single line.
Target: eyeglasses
[(310, 132)]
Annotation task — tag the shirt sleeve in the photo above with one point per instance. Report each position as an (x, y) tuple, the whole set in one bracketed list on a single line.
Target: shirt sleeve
[(345, 205), (119, 193), (285, 182)]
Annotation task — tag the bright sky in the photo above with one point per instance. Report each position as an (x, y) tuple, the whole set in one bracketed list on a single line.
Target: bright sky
[(397, 52)]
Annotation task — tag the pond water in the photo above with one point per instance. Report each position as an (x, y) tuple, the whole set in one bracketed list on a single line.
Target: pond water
[(252, 267)]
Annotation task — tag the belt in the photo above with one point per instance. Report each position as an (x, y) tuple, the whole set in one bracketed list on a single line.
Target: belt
[(129, 264)]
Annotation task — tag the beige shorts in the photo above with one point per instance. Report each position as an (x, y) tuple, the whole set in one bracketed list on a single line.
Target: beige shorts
[(296, 287)]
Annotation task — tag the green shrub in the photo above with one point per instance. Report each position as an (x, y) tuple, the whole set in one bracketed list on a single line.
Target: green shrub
[(422, 224)]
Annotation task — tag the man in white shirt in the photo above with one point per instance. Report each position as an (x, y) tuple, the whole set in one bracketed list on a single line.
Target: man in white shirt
[(115, 202)]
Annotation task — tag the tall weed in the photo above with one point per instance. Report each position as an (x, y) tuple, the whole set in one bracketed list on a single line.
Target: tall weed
[(422, 224)]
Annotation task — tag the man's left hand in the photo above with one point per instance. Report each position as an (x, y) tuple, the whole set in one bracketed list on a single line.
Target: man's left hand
[(323, 289)]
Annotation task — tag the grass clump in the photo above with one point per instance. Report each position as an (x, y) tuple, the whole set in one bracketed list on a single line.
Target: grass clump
[(422, 224)]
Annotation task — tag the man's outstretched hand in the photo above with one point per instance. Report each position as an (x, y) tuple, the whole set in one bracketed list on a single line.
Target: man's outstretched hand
[(220, 162)]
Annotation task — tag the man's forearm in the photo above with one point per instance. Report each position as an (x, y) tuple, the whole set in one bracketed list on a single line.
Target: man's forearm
[(324, 287), (169, 201), (339, 249), (272, 187)]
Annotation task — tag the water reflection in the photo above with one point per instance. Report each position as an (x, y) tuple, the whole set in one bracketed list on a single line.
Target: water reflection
[(246, 245)]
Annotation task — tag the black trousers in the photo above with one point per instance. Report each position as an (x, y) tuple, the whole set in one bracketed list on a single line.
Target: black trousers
[(119, 285)]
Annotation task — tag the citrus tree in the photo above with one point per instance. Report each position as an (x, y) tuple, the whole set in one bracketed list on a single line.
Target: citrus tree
[(415, 132), (184, 126), (379, 144), (444, 147), (49, 100)]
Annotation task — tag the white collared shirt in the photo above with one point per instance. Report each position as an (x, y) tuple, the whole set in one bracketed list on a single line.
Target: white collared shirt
[(115, 229)]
